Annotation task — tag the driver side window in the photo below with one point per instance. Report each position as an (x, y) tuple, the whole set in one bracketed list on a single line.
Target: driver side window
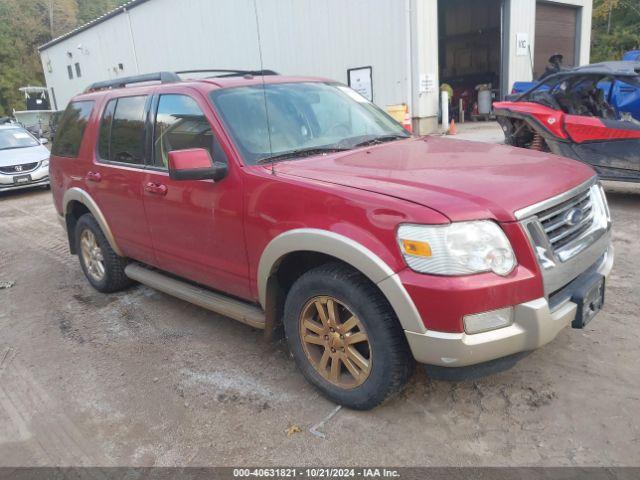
[(179, 125)]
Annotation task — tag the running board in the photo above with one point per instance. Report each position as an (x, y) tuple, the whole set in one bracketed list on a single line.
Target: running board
[(230, 307)]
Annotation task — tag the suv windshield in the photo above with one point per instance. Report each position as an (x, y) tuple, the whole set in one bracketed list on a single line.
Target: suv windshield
[(16, 138), (278, 121)]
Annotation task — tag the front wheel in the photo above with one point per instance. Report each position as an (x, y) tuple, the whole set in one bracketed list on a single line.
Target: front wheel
[(345, 337)]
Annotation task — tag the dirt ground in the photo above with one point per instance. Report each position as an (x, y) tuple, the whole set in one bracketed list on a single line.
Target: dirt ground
[(140, 378)]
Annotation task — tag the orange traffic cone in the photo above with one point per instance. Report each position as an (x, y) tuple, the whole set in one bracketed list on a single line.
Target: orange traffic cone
[(452, 128), (406, 123)]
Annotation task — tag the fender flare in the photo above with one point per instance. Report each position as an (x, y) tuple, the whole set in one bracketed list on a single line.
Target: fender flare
[(79, 195), (348, 251)]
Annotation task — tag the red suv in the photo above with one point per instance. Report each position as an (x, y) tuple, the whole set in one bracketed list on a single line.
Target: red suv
[(295, 202)]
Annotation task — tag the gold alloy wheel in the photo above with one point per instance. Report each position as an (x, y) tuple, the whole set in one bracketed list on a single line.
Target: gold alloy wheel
[(92, 255), (335, 342)]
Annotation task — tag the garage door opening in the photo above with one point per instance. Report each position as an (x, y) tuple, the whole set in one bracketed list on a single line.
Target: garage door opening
[(556, 32), (471, 60)]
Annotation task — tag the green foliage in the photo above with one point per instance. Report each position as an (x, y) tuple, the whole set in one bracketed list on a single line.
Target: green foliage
[(27, 24), (616, 29), (91, 9)]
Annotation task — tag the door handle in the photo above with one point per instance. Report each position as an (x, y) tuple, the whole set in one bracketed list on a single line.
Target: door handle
[(93, 176), (156, 188)]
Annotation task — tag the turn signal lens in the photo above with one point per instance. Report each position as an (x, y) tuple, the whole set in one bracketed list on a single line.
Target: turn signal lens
[(416, 248)]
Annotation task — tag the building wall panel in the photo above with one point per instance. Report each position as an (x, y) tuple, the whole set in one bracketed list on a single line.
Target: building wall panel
[(398, 38), (299, 37), (98, 50)]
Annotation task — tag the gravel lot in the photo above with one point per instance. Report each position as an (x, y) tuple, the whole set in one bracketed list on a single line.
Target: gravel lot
[(140, 378)]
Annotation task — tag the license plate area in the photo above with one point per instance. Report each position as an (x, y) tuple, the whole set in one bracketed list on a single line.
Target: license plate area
[(589, 299), (17, 180)]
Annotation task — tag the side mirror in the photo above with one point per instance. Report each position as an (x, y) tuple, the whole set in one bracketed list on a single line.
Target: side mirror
[(43, 141), (195, 164)]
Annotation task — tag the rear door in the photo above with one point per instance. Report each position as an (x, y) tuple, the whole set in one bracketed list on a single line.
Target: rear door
[(115, 178), (196, 225)]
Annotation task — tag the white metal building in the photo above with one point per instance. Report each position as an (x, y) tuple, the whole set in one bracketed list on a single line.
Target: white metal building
[(411, 46)]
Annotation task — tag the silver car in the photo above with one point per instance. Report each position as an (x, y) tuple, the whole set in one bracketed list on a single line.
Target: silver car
[(24, 161)]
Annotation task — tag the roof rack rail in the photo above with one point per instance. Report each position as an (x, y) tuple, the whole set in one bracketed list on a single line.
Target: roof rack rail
[(230, 73), (162, 77)]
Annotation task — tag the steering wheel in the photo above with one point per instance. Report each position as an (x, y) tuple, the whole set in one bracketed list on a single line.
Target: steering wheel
[(339, 130)]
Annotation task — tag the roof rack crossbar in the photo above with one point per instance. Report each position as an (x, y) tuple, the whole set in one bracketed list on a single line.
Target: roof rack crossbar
[(230, 72), (162, 77)]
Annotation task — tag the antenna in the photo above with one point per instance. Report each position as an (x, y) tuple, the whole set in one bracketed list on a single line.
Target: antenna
[(264, 91)]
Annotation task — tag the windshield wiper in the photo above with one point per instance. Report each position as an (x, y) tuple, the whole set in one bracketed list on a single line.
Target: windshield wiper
[(380, 139), (303, 152), (20, 146)]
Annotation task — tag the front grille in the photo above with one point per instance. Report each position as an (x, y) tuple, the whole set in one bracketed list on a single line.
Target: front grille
[(568, 233), (19, 169), (565, 222)]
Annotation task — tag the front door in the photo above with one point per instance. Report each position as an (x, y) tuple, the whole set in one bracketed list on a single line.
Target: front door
[(196, 225)]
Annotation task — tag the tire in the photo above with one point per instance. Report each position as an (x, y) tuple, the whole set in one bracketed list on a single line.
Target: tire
[(113, 277), (349, 294)]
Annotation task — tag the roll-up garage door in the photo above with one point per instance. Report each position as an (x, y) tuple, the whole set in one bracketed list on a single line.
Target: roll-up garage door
[(556, 31)]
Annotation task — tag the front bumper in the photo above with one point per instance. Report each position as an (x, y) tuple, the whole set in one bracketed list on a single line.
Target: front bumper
[(535, 324), (39, 177)]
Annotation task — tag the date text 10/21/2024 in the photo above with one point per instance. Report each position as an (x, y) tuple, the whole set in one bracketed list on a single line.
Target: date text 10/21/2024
[(316, 473)]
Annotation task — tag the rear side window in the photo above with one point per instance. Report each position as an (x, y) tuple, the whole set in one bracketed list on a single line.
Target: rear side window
[(71, 129), (122, 131), (180, 124), (105, 130)]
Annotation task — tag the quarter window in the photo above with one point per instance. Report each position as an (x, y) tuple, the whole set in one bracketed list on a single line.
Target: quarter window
[(69, 133), (122, 131), (180, 124)]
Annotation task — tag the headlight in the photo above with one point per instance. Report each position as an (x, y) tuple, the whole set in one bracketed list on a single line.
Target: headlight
[(457, 249), (44, 163)]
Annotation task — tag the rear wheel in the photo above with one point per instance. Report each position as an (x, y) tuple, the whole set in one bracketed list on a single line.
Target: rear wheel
[(101, 265), (345, 337)]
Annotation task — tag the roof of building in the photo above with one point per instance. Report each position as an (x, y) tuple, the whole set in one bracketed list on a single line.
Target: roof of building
[(102, 18)]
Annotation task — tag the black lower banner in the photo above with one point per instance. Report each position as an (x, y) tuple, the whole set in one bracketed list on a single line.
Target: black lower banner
[(303, 473)]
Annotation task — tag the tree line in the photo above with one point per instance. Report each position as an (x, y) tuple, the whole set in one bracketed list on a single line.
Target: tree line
[(27, 24), (616, 29)]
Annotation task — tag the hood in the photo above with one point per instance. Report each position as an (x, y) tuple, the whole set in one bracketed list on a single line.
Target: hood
[(460, 179), (18, 156)]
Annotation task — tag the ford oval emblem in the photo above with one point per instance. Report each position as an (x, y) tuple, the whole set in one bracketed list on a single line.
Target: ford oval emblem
[(574, 216)]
